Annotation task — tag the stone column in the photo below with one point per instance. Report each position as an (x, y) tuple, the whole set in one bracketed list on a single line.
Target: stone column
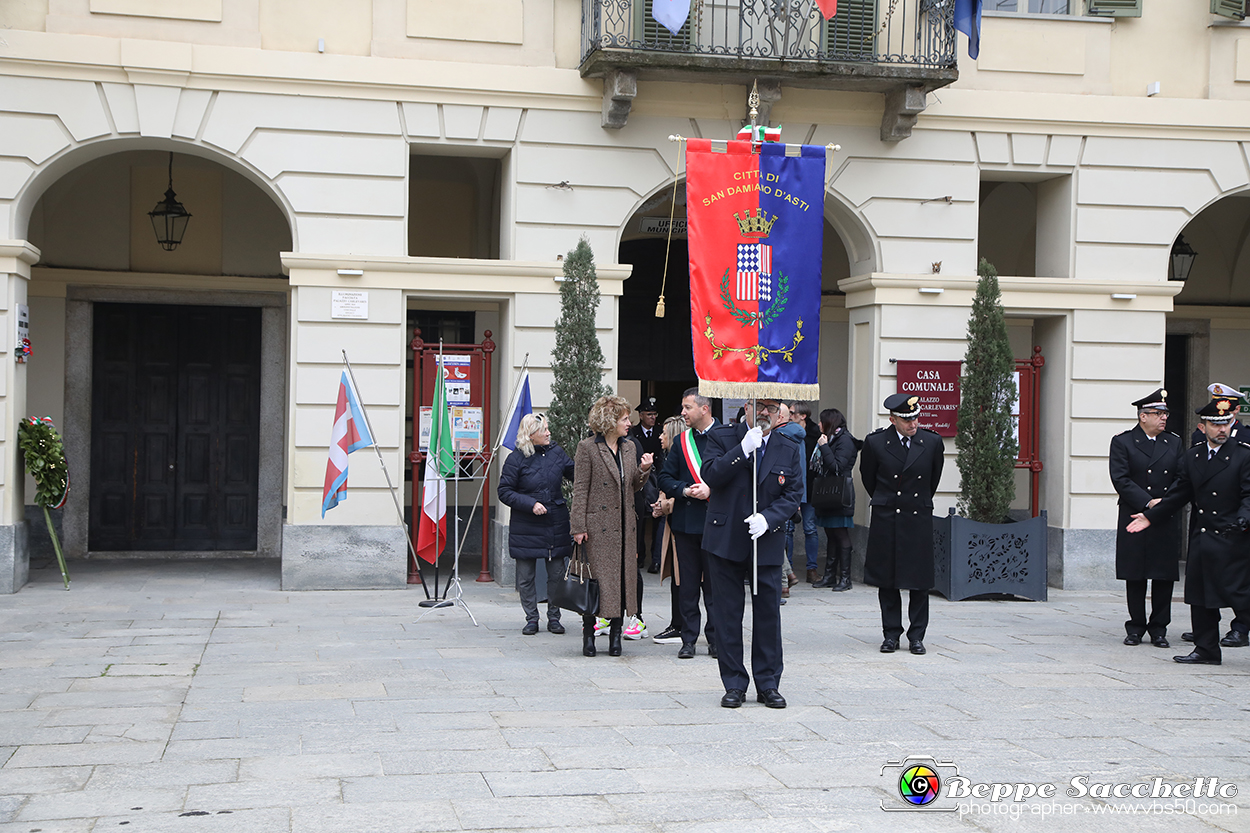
[(16, 257)]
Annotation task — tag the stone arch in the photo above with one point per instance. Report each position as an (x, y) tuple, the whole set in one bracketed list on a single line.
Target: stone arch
[(73, 158), (1220, 233)]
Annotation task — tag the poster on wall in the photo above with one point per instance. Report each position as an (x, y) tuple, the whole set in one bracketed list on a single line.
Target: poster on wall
[(937, 385), (466, 429), (456, 379)]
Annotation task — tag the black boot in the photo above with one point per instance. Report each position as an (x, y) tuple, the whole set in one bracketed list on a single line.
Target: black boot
[(844, 574), (614, 636), (588, 636), (832, 556)]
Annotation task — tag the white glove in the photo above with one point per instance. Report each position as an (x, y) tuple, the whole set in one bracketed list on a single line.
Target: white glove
[(753, 440), (756, 525)]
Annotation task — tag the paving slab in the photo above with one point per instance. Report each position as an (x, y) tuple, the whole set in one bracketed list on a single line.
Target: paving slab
[(176, 696)]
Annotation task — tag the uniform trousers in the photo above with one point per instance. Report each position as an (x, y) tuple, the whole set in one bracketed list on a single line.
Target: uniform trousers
[(1160, 607), (1206, 624), (692, 567), (726, 580), (892, 613)]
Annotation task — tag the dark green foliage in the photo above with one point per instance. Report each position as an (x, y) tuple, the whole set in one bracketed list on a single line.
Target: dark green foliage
[(577, 361), (986, 436), (45, 460)]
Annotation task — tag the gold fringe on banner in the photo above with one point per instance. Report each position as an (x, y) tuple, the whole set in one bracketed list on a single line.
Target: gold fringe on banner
[(762, 390)]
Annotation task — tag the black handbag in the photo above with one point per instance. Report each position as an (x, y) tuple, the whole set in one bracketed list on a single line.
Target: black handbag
[(831, 492), (577, 591)]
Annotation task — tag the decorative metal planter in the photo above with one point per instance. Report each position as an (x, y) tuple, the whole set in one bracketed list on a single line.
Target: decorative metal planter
[(973, 559)]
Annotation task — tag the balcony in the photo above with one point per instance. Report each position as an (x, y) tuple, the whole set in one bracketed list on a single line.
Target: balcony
[(901, 48)]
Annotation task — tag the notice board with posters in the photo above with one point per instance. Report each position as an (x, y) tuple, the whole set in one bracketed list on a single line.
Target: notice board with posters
[(937, 385)]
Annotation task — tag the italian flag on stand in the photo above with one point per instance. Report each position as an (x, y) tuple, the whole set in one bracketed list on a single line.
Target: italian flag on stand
[(439, 464)]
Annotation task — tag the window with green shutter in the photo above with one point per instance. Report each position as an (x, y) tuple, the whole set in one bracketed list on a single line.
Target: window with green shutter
[(851, 33), (1113, 8), (652, 35), (1236, 9)]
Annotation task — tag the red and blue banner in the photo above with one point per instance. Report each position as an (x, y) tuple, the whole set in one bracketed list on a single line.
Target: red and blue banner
[(756, 224), (350, 432)]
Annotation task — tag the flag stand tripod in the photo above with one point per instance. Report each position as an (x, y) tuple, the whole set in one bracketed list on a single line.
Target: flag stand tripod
[(456, 598)]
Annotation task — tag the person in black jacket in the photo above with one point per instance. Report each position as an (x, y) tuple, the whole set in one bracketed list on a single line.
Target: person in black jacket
[(539, 528), (682, 479), (901, 467), (649, 530), (837, 451), (1143, 463), (1215, 477)]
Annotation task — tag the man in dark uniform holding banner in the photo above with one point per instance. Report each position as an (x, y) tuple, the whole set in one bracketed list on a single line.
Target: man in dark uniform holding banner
[(1143, 464), (733, 456), (900, 467), (1215, 477)]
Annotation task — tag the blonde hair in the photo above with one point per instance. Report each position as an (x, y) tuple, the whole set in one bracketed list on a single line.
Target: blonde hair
[(530, 424), (673, 426), (606, 412)]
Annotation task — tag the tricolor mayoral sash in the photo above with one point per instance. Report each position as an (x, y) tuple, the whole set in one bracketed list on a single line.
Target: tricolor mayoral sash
[(756, 220)]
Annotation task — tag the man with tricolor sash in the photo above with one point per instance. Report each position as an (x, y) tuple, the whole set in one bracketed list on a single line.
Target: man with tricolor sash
[(682, 479)]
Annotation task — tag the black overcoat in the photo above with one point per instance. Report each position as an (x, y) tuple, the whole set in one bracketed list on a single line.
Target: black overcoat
[(901, 484), (1143, 469), (1217, 569), (525, 481), (727, 471), (689, 514)]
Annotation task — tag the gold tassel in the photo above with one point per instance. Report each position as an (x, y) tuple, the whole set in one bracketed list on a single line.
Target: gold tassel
[(659, 308)]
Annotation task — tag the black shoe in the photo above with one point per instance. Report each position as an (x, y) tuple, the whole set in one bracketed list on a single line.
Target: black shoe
[(554, 626), (1160, 642), (1196, 659), (772, 698), (916, 647), (588, 636), (889, 646), (667, 636), (686, 651), (1188, 636), (733, 698), (530, 628), (614, 636), (711, 650), (1133, 639), (1235, 639), (653, 569)]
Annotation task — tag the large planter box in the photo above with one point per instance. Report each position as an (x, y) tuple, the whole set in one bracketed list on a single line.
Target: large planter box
[(973, 559)]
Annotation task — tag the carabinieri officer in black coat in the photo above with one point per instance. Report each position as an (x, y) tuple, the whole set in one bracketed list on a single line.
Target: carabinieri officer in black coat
[(1215, 477), (733, 521), (1143, 464), (900, 467)]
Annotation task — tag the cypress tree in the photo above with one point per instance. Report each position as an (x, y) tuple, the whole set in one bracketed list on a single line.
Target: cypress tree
[(985, 433), (577, 361)]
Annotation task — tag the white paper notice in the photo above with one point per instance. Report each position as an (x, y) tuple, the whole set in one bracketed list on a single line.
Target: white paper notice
[(349, 304)]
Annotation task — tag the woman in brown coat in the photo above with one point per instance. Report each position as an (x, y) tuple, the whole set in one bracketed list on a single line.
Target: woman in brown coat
[(606, 474)]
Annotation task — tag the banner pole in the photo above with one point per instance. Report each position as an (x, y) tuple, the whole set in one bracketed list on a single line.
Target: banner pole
[(390, 486), (755, 508)]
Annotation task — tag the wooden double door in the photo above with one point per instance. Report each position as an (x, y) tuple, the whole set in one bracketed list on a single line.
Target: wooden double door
[(175, 427)]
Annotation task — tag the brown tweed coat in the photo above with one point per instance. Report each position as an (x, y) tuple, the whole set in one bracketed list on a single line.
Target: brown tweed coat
[(599, 492)]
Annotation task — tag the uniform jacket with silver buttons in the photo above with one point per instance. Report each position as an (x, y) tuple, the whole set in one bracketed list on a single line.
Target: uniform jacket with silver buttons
[(1141, 470), (901, 484), (1217, 569)]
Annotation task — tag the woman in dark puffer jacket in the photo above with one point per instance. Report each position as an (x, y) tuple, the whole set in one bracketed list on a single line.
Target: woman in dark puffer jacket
[(530, 484)]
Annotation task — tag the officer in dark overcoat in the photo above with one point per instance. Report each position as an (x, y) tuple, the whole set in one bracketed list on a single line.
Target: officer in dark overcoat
[(1239, 629), (1143, 463), (733, 521), (900, 466), (1215, 478)]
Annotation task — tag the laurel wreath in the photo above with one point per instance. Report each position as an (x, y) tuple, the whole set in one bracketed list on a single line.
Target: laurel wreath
[(763, 318), (757, 353), (44, 454)]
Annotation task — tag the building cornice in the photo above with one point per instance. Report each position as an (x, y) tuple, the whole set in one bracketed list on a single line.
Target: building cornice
[(1019, 294)]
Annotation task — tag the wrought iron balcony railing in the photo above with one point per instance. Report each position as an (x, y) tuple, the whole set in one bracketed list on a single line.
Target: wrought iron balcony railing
[(868, 44)]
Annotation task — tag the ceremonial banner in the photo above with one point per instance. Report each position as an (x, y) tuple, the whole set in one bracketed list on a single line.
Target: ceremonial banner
[(350, 432), (755, 235)]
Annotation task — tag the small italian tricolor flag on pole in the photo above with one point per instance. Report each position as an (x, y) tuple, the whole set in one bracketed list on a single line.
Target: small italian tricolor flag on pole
[(440, 463), (761, 134)]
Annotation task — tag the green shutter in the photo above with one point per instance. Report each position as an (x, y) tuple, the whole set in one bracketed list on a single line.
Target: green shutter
[(1236, 9), (654, 36), (851, 32), (1113, 8)]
